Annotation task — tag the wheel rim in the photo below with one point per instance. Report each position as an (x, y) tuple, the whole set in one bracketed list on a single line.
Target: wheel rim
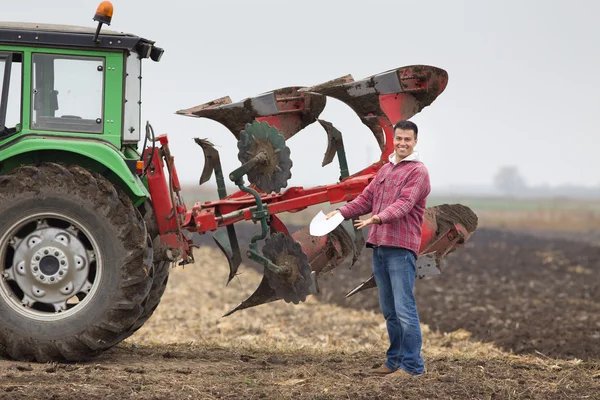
[(51, 266)]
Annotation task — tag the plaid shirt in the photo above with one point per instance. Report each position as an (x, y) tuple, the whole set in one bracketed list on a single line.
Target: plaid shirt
[(397, 195)]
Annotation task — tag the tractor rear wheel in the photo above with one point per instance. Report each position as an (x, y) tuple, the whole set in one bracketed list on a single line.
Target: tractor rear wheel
[(75, 258), (159, 272)]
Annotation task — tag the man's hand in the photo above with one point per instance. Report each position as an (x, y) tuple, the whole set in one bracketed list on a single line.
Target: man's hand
[(373, 220), (331, 214)]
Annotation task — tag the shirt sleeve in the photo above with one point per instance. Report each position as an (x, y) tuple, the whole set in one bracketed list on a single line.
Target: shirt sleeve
[(361, 205), (416, 188)]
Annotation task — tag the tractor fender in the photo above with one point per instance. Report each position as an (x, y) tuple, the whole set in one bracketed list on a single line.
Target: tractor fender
[(96, 155)]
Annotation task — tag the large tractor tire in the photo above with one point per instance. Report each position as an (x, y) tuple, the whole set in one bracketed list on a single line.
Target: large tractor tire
[(159, 272), (160, 277), (75, 261)]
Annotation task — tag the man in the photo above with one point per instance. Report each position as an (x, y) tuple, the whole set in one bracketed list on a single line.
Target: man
[(396, 200)]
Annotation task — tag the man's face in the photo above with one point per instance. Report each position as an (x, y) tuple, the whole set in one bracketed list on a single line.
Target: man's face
[(404, 142)]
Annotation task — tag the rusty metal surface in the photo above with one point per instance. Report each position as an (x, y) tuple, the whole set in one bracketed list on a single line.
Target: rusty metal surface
[(423, 82), (295, 110), (322, 87), (228, 243), (334, 141), (284, 251), (382, 100), (273, 174), (368, 284), (293, 286), (262, 295), (286, 108), (211, 104), (211, 159)]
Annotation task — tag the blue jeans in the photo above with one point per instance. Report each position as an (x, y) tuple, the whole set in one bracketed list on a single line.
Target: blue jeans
[(394, 270)]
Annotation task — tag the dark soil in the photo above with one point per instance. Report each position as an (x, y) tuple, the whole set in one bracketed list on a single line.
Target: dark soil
[(523, 293)]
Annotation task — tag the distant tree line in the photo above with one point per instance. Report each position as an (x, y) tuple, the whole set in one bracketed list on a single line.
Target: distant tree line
[(509, 181)]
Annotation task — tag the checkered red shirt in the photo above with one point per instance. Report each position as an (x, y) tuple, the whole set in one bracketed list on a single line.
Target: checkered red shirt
[(397, 195)]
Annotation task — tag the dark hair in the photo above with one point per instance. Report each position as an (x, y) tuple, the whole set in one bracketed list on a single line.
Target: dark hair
[(407, 126)]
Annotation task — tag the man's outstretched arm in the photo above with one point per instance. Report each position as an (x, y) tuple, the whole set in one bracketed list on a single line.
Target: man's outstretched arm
[(361, 205)]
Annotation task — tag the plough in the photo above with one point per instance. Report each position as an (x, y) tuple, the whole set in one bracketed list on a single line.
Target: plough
[(262, 125)]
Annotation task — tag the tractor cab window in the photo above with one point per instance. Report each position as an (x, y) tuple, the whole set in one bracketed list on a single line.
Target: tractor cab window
[(10, 92), (67, 93)]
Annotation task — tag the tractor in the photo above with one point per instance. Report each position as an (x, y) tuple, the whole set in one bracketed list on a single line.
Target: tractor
[(91, 211)]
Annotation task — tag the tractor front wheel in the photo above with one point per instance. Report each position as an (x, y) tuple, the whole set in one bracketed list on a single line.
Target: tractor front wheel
[(74, 264)]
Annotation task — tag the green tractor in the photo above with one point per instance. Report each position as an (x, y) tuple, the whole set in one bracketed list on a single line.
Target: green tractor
[(90, 207), (72, 200)]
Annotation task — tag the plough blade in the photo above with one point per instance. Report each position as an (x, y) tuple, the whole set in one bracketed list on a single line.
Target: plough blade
[(358, 239), (323, 87), (211, 159), (229, 245), (334, 141), (428, 265), (422, 83), (263, 294), (387, 97), (368, 284), (287, 109), (211, 104)]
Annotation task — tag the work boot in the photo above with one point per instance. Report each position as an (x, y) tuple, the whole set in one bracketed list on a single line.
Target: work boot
[(381, 371), (399, 374)]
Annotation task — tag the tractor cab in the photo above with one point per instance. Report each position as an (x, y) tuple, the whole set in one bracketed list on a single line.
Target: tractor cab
[(65, 81)]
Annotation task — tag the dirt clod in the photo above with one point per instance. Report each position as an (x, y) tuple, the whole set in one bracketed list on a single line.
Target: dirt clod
[(184, 371), (133, 370), (446, 378), (276, 360), (22, 368)]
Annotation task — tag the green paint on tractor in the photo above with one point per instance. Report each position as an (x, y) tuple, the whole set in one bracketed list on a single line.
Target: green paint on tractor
[(64, 100)]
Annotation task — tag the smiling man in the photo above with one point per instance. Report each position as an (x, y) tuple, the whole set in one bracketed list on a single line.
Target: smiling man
[(396, 200)]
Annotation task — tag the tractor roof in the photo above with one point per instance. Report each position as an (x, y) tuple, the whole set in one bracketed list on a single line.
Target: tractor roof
[(70, 36)]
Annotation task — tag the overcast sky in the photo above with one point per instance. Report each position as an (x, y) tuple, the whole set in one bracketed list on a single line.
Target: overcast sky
[(524, 80)]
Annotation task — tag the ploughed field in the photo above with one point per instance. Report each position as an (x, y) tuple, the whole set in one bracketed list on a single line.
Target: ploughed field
[(514, 315)]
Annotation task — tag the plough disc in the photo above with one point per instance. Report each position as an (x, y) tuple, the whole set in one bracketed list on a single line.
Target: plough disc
[(293, 285), (273, 174)]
